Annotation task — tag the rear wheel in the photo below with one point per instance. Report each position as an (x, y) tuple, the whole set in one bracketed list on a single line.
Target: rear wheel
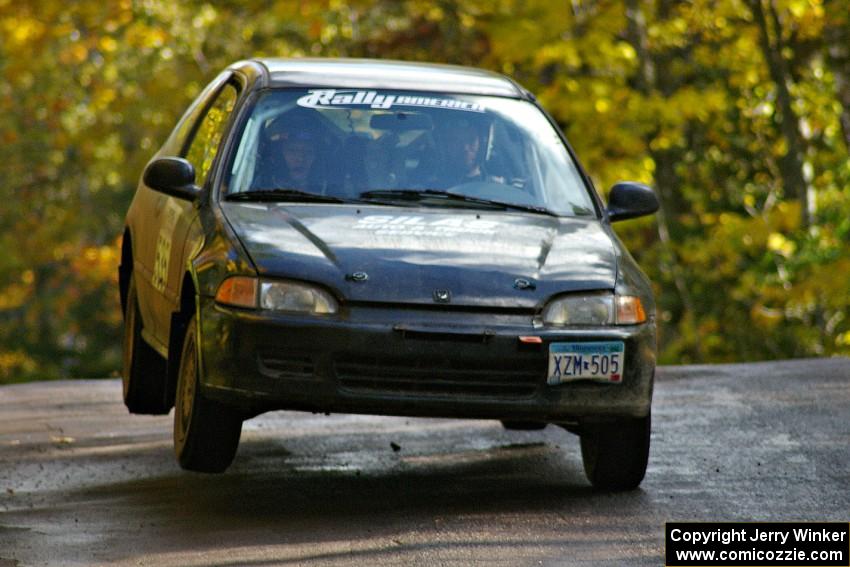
[(144, 370), (206, 433), (615, 454)]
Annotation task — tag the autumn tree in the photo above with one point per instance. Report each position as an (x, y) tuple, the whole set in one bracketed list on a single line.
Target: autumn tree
[(736, 111)]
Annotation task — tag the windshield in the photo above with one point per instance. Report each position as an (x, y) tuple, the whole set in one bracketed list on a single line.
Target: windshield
[(385, 145)]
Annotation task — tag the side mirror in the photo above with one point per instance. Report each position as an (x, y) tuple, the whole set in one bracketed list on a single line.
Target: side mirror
[(173, 176), (628, 200)]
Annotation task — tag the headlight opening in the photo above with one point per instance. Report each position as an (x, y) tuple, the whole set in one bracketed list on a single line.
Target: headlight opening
[(594, 309), (276, 295)]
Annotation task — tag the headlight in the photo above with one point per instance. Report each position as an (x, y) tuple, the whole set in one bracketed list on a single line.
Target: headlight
[(295, 297), (601, 309)]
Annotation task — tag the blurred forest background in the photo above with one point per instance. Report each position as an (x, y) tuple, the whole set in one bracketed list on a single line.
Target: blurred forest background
[(736, 111)]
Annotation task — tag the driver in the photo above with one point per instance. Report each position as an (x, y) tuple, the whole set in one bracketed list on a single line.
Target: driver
[(465, 147), (296, 148)]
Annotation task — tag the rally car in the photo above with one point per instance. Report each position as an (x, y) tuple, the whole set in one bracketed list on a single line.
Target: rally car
[(386, 238)]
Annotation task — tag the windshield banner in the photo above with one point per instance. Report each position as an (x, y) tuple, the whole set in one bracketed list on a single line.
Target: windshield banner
[(329, 98)]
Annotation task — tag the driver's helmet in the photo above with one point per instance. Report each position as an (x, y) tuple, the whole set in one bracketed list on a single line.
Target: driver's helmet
[(299, 125)]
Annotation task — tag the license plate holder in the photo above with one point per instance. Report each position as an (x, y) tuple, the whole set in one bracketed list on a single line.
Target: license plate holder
[(599, 361)]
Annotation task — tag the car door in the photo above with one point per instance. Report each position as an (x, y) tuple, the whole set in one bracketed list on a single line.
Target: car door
[(176, 215), (145, 217)]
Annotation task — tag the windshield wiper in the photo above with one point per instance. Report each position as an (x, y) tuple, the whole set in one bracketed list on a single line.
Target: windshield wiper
[(285, 195), (420, 194)]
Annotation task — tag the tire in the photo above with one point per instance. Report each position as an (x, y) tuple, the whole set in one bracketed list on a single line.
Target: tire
[(206, 433), (615, 454), (512, 425), (144, 373)]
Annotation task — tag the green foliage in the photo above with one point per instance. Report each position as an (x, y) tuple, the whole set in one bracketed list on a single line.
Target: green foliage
[(687, 96)]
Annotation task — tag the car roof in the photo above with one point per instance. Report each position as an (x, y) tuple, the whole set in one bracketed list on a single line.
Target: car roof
[(384, 74)]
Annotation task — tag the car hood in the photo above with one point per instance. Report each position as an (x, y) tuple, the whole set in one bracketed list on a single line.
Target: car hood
[(408, 254)]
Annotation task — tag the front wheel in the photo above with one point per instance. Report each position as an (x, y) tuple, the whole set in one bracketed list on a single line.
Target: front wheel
[(615, 454), (206, 433)]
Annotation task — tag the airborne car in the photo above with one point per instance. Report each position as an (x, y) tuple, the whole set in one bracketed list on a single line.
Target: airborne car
[(386, 238)]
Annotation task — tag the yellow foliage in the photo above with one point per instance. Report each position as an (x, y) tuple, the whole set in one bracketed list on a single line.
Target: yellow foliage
[(22, 31), (766, 317), (97, 263), (74, 54), (103, 97), (15, 295), (776, 242), (13, 364), (826, 284), (785, 217), (108, 44)]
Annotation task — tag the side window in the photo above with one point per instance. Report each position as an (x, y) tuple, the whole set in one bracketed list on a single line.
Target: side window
[(208, 135), (177, 139)]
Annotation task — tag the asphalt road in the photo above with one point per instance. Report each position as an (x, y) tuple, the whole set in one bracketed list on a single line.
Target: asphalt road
[(83, 482)]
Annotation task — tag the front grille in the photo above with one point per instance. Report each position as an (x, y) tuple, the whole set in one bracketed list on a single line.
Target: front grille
[(439, 377), (284, 366)]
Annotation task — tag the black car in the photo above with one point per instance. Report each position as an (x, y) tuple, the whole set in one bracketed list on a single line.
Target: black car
[(387, 238)]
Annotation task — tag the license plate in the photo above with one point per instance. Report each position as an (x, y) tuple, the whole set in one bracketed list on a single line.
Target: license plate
[(600, 361)]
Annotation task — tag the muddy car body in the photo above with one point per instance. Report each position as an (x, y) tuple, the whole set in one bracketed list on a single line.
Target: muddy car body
[(385, 238)]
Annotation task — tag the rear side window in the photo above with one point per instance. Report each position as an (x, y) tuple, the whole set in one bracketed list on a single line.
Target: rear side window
[(208, 135)]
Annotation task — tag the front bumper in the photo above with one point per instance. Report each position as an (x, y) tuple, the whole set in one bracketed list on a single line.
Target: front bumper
[(413, 362)]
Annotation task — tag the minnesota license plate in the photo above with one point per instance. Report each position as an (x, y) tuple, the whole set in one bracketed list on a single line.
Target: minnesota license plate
[(600, 361)]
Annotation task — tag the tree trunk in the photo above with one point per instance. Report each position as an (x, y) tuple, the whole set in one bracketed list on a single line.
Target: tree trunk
[(791, 165), (837, 40), (667, 181)]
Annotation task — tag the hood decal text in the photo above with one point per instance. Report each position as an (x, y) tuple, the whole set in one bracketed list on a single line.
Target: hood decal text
[(409, 225)]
